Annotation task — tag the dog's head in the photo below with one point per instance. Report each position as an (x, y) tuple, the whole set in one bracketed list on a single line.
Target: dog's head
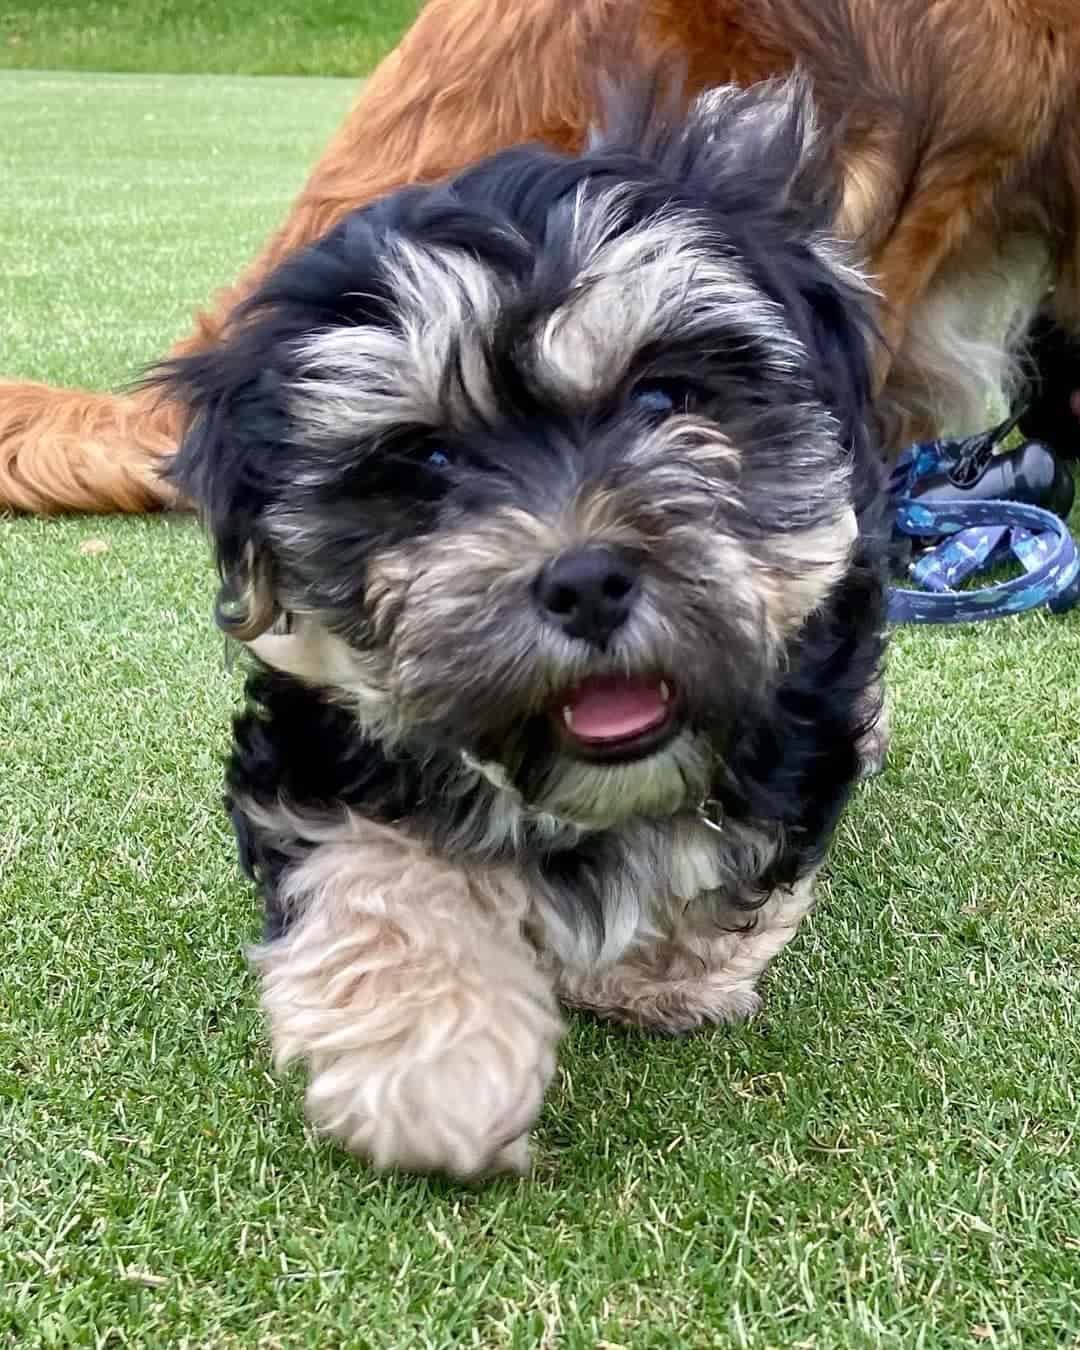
[(548, 465)]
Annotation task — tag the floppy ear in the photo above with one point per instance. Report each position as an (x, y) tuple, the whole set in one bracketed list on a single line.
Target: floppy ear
[(237, 457), (752, 150), (229, 458), (763, 148), (835, 318)]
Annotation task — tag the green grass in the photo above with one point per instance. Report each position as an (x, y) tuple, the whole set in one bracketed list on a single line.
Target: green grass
[(244, 37), (131, 198), (890, 1157)]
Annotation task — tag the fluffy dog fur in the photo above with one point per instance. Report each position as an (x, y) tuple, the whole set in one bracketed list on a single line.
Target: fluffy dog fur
[(565, 432), (960, 147)]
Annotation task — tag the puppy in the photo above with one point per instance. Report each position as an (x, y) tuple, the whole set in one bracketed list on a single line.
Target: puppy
[(547, 502)]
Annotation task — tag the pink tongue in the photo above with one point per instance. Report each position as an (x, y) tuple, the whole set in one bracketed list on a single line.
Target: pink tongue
[(609, 709)]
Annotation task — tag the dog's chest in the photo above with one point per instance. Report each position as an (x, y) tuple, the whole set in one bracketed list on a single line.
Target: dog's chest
[(647, 878), (690, 859)]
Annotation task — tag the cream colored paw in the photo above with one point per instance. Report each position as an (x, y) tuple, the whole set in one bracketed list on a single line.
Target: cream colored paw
[(466, 1113), (674, 1008), (416, 1060)]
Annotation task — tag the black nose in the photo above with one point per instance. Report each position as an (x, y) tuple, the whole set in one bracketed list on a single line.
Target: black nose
[(588, 593)]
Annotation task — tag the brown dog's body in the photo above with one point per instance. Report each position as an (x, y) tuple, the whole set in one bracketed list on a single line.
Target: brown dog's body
[(961, 162)]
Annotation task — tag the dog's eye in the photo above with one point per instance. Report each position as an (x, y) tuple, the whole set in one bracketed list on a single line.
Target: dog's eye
[(653, 401), (439, 457), (659, 401)]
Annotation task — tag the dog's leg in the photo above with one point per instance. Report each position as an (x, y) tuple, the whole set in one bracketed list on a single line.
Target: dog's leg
[(913, 241), (406, 987), (873, 743), (907, 265), (696, 976)]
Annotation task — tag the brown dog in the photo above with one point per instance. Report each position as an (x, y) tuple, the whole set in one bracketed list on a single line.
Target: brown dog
[(961, 156)]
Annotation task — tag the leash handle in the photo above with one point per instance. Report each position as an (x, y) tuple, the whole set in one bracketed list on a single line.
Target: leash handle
[(1052, 582)]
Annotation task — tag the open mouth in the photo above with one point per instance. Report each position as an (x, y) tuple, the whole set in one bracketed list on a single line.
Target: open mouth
[(612, 717)]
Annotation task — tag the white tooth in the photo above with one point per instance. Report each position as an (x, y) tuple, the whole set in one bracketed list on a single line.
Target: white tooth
[(568, 715), (665, 692)]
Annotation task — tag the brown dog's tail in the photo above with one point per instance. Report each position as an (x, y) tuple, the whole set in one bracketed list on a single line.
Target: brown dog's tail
[(69, 450)]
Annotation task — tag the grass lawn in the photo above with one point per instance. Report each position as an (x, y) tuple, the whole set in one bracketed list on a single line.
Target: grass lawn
[(243, 37), (889, 1157)]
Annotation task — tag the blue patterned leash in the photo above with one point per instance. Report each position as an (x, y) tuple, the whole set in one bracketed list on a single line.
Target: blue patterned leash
[(978, 535)]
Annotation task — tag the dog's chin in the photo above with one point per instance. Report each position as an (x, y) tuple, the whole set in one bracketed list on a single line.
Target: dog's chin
[(657, 775)]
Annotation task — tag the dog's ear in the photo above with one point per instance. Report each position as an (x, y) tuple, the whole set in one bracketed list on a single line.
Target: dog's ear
[(763, 149), (230, 462), (755, 149), (238, 457)]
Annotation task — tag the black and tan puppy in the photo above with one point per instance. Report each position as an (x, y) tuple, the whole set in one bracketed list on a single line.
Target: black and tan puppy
[(546, 501)]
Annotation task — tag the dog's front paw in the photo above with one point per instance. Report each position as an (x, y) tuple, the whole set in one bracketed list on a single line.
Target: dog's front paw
[(873, 752), (421, 1065), (872, 747), (702, 974), (458, 1100), (668, 1007)]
